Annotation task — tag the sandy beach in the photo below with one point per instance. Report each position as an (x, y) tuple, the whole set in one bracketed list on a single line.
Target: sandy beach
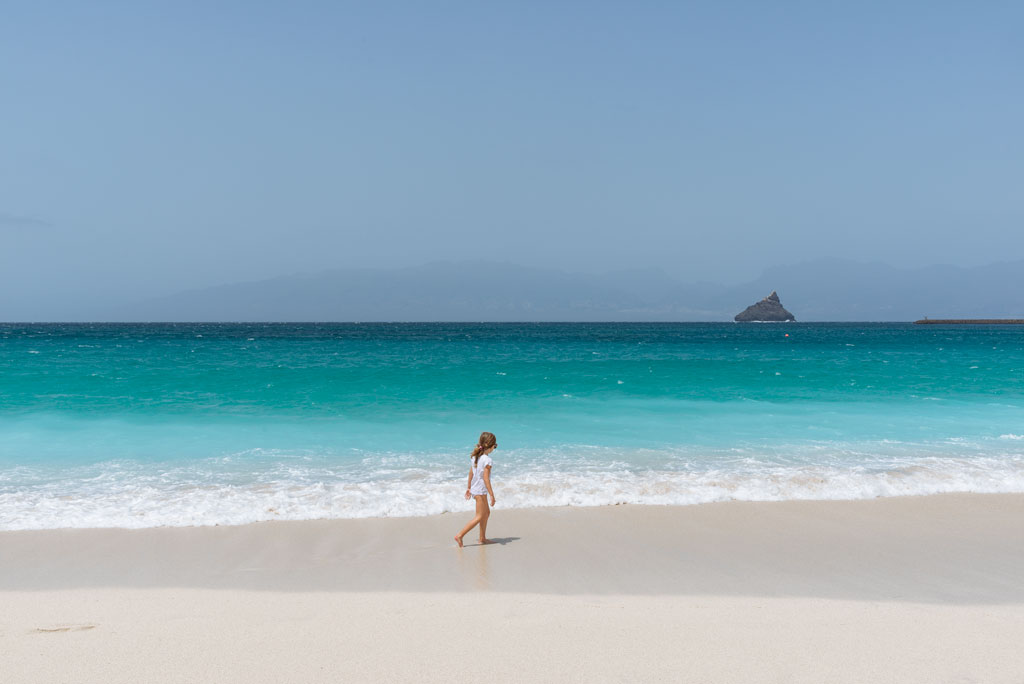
[(918, 589)]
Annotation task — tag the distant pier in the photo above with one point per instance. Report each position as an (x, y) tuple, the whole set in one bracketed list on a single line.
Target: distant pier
[(970, 321)]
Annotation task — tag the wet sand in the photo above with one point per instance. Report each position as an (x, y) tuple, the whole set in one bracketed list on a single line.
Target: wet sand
[(917, 589)]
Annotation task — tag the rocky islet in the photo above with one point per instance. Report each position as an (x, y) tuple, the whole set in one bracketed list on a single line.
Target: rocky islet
[(769, 309)]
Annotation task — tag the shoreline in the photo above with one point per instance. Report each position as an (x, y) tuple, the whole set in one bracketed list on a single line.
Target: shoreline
[(468, 511), (964, 548), (248, 506), (914, 589), (970, 321)]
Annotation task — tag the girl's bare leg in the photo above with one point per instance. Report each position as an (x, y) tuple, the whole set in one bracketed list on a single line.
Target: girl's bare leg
[(475, 521), (483, 520)]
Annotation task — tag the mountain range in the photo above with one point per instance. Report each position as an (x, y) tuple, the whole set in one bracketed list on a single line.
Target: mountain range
[(820, 290)]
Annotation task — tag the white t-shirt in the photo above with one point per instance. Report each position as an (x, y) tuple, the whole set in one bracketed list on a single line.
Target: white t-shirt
[(478, 486)]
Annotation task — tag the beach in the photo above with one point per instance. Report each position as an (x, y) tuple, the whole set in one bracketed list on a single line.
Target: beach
[(721, 304), (903, 589)]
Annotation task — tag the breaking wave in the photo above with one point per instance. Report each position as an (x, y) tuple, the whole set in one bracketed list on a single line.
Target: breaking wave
[(247, 488)]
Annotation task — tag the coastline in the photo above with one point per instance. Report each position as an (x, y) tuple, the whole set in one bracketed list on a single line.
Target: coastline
[(898, 589), (970, 321), (941, 548)]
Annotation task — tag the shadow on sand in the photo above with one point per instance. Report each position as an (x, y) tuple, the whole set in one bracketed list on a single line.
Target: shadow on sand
[(495, 541)]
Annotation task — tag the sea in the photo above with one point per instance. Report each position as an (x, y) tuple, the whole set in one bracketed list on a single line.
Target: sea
[(144, 425)]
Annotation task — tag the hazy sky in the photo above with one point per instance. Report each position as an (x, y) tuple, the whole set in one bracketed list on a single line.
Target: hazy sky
[(147, 147)]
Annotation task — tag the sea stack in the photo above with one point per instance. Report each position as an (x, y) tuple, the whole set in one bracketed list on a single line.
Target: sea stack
[(769, 309)]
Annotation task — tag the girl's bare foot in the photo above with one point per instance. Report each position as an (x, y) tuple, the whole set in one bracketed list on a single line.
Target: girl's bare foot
[(486, 541), (458, 540)]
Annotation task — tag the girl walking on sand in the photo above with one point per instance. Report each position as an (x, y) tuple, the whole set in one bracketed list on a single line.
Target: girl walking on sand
[(479, 487)]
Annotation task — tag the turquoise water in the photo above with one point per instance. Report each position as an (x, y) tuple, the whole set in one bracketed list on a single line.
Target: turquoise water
[(142, 425)]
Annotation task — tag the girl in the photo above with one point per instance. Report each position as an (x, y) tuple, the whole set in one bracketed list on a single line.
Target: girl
[(479, 486)]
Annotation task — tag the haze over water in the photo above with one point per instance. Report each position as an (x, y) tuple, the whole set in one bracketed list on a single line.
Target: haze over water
[(151, 149), (145, 425)]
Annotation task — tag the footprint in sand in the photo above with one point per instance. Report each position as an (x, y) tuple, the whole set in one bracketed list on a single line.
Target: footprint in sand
[(69, 628)]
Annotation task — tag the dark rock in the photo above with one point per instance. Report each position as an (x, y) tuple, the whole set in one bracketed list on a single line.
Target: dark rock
[(768, 309)]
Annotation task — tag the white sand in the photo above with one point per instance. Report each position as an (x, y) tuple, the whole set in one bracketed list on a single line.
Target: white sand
[(898, 590), (196, 635)]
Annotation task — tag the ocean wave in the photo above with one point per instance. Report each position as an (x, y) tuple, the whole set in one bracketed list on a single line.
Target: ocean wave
[(131, 496)]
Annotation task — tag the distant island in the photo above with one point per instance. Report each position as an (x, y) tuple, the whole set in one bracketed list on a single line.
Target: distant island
[(768, 310), (821, 290), (970, 321)]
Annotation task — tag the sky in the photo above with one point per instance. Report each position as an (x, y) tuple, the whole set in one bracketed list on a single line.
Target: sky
[(150, 147)]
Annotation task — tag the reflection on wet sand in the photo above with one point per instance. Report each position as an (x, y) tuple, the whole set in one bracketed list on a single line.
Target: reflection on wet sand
[(473, 566), (473, 562)]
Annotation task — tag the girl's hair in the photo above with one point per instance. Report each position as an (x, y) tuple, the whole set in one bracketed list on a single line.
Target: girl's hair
[(487, 440)]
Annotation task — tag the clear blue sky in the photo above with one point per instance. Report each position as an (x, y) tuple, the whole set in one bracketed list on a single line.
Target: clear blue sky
[(149, 147)]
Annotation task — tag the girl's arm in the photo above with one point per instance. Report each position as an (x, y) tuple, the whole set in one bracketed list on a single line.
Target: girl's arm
[(487, 481), (469, 483)]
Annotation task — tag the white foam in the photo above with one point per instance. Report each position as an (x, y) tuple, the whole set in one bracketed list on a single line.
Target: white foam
[(236, 489)]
